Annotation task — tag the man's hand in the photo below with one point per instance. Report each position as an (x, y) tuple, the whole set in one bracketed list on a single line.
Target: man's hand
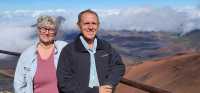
[(105, 89)]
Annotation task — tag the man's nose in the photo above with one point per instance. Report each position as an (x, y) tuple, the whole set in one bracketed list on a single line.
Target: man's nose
[(90, 26)]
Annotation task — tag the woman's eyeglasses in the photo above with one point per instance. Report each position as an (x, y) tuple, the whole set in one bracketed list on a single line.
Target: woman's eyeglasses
[(44, 30)]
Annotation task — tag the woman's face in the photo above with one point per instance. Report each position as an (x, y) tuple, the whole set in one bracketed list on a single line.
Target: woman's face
[(47, 33)]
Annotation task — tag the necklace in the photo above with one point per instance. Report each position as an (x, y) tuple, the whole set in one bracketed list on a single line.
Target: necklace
[(46, 46)]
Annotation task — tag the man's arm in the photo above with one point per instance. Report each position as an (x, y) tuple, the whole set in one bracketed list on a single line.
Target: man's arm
[(116, 69), (65, 73)]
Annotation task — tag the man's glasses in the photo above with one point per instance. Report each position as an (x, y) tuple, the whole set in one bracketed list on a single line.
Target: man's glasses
[(44, 30)]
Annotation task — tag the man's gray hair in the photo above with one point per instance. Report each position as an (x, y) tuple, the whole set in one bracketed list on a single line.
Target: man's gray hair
[(87, 11)]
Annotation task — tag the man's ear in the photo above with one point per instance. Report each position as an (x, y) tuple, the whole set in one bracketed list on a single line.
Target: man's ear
[(78, 25), (56, 33)]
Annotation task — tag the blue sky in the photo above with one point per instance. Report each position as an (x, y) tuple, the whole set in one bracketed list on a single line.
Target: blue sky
[(97, 4)]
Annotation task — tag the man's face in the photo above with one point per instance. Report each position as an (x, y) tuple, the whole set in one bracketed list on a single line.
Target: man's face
[(47, 33), (89, 25)]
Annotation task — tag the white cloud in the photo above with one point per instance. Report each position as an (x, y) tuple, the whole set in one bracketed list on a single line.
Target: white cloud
[(135, 18), (149, 18), (15, 38)]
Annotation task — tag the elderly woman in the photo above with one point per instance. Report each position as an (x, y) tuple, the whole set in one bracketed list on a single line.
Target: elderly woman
[(36, 68)]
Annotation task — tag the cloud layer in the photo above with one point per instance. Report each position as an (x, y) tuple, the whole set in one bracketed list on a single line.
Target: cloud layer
[(135, 18), (16, 26)]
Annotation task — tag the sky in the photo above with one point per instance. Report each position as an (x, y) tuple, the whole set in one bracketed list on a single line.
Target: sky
[(94, 4)]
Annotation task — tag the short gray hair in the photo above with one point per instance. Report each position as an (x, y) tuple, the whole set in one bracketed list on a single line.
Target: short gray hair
[(87, 11), (46, 20)]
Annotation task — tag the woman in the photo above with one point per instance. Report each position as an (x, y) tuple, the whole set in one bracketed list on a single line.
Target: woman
[(36, 68)]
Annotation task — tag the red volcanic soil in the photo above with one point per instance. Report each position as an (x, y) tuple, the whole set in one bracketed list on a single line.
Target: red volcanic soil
[(179, 74)]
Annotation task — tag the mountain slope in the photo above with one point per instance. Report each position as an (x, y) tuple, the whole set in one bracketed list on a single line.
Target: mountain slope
[(179, 74)]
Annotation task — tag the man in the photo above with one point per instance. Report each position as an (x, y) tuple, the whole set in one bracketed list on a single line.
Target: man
[(89, 64)]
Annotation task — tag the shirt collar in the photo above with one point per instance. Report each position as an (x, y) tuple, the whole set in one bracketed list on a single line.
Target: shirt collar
[(85, 44), (79, 46)]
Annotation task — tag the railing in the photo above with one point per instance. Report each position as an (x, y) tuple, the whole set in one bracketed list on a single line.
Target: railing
[(143, 87), (127, 82), (10, 53)]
